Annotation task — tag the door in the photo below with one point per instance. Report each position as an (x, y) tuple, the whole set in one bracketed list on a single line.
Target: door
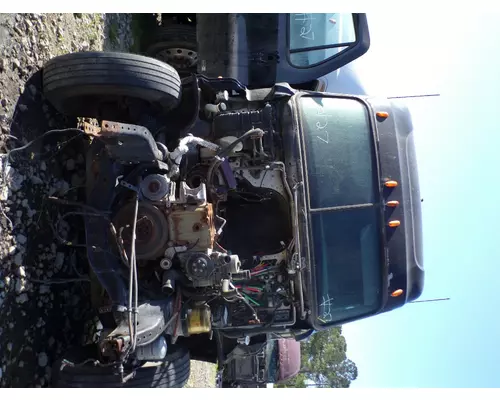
[(262, 49)]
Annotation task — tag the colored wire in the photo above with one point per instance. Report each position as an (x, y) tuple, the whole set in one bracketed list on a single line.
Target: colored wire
[(261, 272), (222, 248), (246, 300), (250, 288), (264, 271), (250, 299), (259, 267)]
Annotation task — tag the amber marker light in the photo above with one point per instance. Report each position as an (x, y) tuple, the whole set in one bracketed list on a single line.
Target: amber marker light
[(382, 114), (392, 203), (397, 293), (394, 224), (391, 184)]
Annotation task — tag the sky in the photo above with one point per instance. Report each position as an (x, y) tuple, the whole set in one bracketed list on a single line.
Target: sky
[(453, 343)]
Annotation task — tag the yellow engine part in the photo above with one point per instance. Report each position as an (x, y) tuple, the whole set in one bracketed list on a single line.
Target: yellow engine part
[(198, 320)]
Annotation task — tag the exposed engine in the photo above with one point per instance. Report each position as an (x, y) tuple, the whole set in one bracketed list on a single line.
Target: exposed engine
[(212, 222)]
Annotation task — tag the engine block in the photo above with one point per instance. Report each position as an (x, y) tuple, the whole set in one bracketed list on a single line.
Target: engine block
[(192, 226)]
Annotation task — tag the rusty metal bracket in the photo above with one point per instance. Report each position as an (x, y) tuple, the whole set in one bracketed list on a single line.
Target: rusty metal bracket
[(126, 143), (113, 348), (90, 129)]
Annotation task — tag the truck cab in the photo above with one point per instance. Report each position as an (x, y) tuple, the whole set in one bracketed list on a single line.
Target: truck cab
[(261, 49)]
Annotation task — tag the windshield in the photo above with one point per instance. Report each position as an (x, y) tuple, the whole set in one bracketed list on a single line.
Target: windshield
[(339, 151), (346, 249), (341, 171)]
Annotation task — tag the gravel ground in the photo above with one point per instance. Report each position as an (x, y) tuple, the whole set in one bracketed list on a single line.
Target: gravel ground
[(44, 296), (40, 315), (202, 375)]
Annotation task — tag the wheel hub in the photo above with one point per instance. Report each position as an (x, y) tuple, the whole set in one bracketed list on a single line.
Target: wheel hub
[(179, 58)]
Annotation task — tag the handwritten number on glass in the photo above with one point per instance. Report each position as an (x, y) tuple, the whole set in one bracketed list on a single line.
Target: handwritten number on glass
[(306, 31), (321, 126), (326, 307)]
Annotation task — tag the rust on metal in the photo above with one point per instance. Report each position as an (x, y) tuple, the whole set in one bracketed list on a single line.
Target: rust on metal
[(90, 129), (192, 225), (112, 347), (110, 128)]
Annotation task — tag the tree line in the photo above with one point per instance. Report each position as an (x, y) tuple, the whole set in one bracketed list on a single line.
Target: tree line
[(324, 362)]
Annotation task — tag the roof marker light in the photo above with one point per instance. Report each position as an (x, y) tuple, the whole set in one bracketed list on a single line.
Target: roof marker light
[(394, 224), (391, 184), (382, 114), (392, 203), (397, 293)]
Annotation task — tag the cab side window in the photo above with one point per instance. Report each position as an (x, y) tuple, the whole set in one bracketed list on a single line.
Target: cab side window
[(315, 38)]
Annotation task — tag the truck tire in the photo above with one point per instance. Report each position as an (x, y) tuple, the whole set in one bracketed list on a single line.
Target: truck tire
[(176, 45), (173, 372), (77, 83)]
